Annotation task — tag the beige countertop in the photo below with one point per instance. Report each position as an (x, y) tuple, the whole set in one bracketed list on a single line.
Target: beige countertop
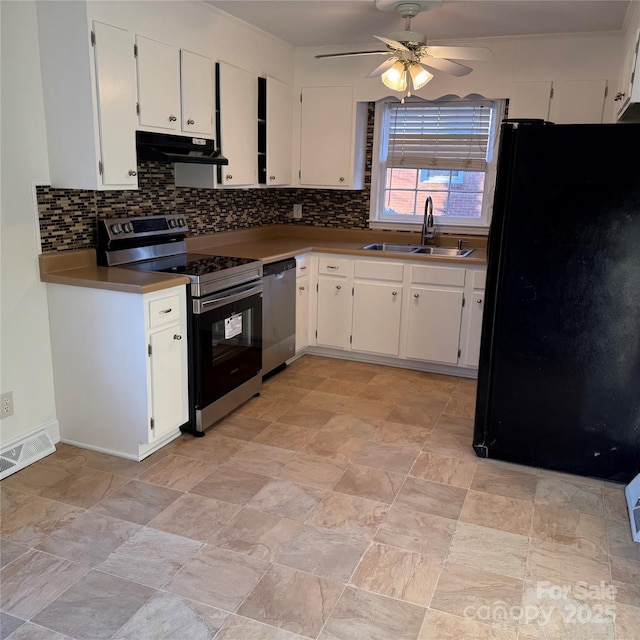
[(269, 244)]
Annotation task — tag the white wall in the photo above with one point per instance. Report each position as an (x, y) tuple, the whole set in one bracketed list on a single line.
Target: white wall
[(25, 357)]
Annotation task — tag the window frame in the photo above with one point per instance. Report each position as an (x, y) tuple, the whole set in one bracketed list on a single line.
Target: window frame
[(478, 226)]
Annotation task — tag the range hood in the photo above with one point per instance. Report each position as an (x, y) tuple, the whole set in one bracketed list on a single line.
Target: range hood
[(160, 147)]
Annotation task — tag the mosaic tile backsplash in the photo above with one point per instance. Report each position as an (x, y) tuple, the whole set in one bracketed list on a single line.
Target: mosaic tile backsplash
[(68, 217)]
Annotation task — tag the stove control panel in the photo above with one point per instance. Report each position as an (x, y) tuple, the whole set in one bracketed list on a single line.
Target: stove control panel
[(141, 227)]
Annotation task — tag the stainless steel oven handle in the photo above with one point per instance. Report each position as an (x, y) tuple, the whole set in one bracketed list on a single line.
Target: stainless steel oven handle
[(227, 297)]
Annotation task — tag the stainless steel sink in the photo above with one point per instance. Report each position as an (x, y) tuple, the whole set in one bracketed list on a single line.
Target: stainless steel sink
[(444, 251), (418, 248), (397, 248)]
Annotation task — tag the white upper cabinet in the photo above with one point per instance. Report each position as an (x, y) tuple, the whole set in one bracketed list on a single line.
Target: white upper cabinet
[(530, 100), (628, 96), (196, 79), (87, 82), (238, 136), (158, 69), (562, 102), (175, 89), (578, 101), (331, 138), (279, 140)]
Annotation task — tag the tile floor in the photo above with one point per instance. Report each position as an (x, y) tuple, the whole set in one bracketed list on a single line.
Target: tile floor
[(345, 503)]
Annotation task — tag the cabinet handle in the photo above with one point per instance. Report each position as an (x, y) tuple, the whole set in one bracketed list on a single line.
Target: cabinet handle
[(132, 172), (172, 118), (338, 286), (301, 288), (229, 176), (191, 121), (619, 96), (166, 311), (341, 179), (272, 177), (332, 267), (415, 295), (303, 268), (479, 300), (394, 293), (177, 337)]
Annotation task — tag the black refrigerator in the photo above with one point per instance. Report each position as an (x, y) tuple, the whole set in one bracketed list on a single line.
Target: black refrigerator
[(559, 372)]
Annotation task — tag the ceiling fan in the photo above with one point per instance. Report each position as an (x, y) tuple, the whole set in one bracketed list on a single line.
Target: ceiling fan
[(409, 55)]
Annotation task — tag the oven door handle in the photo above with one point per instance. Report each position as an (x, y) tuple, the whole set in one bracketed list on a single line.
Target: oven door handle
[(238, 293)]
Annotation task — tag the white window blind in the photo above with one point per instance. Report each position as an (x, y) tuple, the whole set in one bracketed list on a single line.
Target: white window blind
[(447, 135)]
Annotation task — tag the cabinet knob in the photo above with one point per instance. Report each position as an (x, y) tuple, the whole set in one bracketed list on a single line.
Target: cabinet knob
[(394, 293), (177, 337), (479, 300), (341, 179), (191, 121), (416, 295), (172, 118), (272, 177), (338, 286), (301, 288), (132, 172), (229, 176)]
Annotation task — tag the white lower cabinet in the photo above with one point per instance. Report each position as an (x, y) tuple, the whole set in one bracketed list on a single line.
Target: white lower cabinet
[(120, 367), (377, 307), (433, 328), (476, 309), (429, 313)]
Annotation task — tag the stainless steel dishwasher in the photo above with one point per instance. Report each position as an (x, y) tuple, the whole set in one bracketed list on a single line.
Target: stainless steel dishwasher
[(278, 314)]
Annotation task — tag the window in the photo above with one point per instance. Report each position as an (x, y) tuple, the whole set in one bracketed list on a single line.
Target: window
[(441, 149)]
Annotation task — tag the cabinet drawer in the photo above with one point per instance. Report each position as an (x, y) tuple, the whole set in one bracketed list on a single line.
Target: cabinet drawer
[(164, 310), (478, 279), (391, 271), (333, 266), (302, 265), (438, 275)]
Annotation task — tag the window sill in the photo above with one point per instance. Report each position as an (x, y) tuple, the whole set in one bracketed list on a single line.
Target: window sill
[(467, 229)]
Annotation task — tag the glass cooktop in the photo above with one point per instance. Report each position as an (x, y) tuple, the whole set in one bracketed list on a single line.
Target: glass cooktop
[(192, 264)]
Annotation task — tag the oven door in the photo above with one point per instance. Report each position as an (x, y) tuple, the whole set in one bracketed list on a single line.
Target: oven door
[(227, 341)]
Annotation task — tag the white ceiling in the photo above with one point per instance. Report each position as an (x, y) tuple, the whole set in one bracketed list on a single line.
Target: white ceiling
[(348, 22)]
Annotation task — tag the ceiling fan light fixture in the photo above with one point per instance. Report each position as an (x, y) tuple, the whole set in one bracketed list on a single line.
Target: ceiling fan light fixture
[(396, 77), (419, 75)]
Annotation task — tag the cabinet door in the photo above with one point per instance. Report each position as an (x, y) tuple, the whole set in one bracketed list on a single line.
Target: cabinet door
[(238, 137), (302, 312), (279, 118), (376, 317), (158, 67), (530, 99), (168, 366), (578, 102), (433, 330), (114, 83), (196, 84), (334, 312), (325, 137), (475, 329)]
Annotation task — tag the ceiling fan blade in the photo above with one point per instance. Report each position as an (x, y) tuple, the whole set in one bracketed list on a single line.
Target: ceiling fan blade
[(448, 66), (352, 53), (461, 53), (379, 70), (394, 44)]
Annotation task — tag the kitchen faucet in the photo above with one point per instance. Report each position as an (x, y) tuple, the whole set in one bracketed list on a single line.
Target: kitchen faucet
[(428, 229)]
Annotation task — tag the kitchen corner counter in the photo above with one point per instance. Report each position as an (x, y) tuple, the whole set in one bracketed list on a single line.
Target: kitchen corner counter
[(271, 244), (79, 269)]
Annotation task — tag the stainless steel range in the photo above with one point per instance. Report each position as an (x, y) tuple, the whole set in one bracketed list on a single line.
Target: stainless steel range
[(225, 300)]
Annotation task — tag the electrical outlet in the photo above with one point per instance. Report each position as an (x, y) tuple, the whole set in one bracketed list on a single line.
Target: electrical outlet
[(6, 404), (297, 211)]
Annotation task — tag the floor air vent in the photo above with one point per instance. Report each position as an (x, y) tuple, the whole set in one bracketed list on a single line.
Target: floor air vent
[(23, 453)]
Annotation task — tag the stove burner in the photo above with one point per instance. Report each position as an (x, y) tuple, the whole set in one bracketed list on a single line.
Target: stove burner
[(196, 264)]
